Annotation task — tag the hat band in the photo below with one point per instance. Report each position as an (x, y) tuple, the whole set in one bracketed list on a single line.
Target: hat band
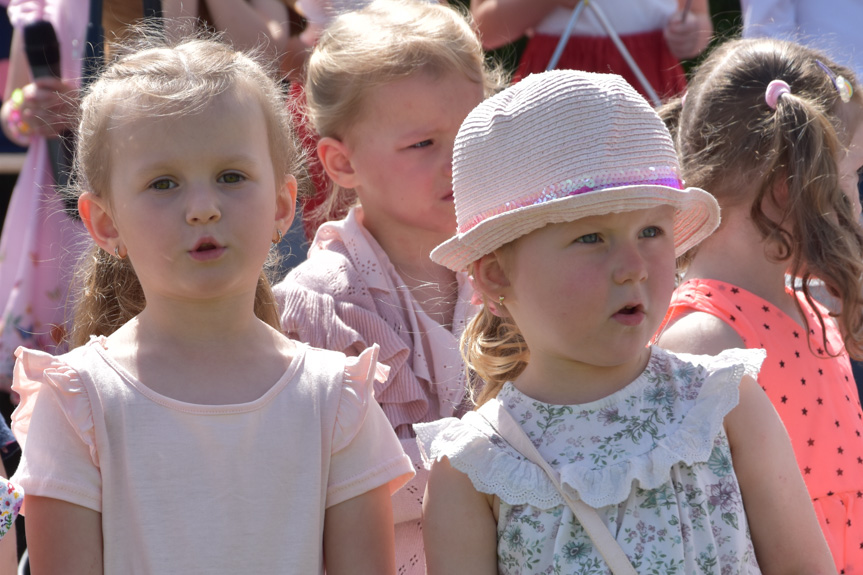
[(662, 176)]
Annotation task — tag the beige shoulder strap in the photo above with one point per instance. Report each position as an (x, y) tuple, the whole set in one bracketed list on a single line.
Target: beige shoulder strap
[(499, 418)]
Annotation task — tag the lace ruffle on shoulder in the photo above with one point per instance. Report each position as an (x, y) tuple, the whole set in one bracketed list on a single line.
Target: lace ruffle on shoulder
[(492, 465), (36, 369), (357, 393), (670, 415)]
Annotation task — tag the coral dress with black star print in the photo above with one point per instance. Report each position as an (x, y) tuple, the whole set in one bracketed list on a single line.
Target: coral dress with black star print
[(815, 395)]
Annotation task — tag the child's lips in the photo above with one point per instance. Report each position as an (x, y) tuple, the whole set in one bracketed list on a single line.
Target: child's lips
[(207, 249), (630, 315)]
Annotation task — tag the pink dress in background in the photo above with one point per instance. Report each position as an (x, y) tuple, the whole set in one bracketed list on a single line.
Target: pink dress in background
[(40, 243)]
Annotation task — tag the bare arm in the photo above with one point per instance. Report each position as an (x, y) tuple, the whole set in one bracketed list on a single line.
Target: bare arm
[(699, 333), (782, 521), (459, 529), (502, 21), (63, 538), (358, 535)]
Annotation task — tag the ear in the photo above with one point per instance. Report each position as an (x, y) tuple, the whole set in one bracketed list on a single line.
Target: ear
[(335, 157), (98, 221), (286, 203), (490, 277)]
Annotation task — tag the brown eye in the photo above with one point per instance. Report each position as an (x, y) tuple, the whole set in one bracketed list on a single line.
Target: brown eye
[(163, 184), (231, 178)]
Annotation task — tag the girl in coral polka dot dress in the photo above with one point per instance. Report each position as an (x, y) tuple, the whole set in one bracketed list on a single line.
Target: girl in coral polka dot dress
[(775, 132)]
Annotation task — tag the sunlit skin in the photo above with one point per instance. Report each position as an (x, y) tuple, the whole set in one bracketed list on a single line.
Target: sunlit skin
[(187, 207), (587, 295), (398, 159), (401, 154)]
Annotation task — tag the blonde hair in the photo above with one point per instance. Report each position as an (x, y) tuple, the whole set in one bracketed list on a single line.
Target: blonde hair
[(741, 150), (384, 42), (492, 346), (156, 76)]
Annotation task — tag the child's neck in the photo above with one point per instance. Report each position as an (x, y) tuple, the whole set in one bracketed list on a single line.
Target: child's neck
[(211, 353), (737, 254), (433, 286), (563, 382)]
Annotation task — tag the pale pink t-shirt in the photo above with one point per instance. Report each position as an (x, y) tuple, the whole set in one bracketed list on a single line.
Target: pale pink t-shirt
[(189, 488)]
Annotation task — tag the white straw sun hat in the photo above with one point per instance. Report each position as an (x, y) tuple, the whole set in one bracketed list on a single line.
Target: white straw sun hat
[(560, 146)]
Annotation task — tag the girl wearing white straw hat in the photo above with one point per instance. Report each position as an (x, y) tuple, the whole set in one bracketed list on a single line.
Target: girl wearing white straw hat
[(591, 449)]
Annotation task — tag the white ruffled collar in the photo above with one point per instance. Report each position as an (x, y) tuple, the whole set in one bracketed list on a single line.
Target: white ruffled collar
[(671, 414)]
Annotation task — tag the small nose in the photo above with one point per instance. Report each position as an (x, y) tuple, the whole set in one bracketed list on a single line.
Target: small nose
[(630, 265), (202, 205)]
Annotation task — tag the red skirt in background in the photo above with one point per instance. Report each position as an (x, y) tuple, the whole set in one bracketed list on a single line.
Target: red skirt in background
[(599, 54)]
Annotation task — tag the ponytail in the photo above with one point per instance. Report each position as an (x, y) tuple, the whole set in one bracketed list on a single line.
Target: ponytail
[(744, 147)]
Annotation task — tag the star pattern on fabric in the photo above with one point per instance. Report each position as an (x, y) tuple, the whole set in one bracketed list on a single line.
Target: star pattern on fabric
[(812, 389)]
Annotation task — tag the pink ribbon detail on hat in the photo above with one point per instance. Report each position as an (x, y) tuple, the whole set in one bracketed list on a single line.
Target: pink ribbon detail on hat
[(775, 90), (662, 176)]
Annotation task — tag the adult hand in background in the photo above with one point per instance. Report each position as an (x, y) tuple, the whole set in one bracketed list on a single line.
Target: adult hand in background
[(688, 32)]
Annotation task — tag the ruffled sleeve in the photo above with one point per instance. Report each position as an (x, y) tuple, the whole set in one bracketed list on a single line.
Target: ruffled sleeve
[(701, 414), (493, 466), (54, 426), (365, 450)]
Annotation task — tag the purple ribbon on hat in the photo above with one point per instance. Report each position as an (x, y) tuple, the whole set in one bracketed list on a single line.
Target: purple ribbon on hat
[(775, 90)]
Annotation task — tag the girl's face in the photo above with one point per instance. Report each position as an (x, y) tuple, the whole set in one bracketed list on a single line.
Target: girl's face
[(851, 164), (595, 290), (401, 149), (193, 199)]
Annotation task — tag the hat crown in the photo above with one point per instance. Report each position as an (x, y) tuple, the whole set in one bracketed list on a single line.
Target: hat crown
[(554, 134)]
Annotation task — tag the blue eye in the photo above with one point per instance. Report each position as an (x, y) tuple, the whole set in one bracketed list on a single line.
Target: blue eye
[(651, 232), (588, 239), (231, 178), (423, 144), (163, 184)]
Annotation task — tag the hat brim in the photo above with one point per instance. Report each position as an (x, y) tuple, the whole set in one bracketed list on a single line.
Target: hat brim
[(696, 217)]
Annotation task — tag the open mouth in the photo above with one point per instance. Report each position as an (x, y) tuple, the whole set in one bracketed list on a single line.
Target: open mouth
[(631, 309), (206, 247), (630, 315)]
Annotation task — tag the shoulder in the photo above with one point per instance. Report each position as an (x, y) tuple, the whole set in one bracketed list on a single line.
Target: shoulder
[(489, 463), (729, 366), (321, 269), (699, 332), (45, 382)]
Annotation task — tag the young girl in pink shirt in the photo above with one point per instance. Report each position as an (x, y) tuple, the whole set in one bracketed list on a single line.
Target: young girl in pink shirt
[(387, 107), (185, 433)]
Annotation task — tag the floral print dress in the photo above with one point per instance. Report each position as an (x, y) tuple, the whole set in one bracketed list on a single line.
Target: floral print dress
[(652, 458)]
